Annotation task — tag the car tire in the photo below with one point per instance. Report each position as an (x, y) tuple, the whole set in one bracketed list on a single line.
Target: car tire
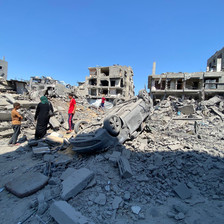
[(117, 101), (144, 95), (80, 125), (112, 124)]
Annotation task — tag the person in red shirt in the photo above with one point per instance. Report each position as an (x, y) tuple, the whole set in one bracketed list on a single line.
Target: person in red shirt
[(102, 102), (71, 112)]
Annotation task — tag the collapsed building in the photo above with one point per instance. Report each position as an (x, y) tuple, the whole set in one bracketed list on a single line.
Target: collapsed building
[(113, 81), (40, 86), (198, 85)]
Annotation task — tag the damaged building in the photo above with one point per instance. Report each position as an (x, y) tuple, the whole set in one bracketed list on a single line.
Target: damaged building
[(216, 62), (3, 69), (40, 86), (198, 85), (112, 81)]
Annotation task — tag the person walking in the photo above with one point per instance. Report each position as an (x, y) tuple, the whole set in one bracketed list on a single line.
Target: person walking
[(16, 124), (42, 116), (103, 99), (71, 112)]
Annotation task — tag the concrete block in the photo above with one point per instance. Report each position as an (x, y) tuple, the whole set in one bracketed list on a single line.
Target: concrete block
[(124, 167), (27, 103), (54, 122), (187, 110), (63, 213), (75, 183), (182, 191), (41, 150), (26, 184), (6, 133), (67, 173), (5, 116)]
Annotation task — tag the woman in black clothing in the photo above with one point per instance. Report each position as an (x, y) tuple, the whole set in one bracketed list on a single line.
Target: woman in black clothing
[(42, 117)]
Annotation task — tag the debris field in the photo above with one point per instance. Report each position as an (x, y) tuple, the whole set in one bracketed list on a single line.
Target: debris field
[(172, 172)]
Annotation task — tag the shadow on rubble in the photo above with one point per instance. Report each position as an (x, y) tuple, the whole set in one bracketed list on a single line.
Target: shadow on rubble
[(133, 172)]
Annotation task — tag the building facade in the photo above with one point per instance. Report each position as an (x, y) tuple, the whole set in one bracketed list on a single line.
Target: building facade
[(3, 69), (198, 85), (216, 62), (113, 81)]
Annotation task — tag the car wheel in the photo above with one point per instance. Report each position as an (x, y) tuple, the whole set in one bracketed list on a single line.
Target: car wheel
[(80, 125), (117, 101), (144, 95), (112, 124)]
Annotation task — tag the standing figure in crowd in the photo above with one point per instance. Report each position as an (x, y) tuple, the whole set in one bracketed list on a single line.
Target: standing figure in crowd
[(16, 124), (71, 112), (42, 116)]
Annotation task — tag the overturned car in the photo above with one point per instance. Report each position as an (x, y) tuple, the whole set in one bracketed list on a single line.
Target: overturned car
[(124, 121)]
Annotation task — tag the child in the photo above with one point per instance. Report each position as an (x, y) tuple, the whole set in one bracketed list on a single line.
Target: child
[(16, 124), (102, 102)]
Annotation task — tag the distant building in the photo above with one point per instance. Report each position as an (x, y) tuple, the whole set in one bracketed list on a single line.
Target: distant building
[(199, 85), (216, 62), (113, 81), (3, 69)]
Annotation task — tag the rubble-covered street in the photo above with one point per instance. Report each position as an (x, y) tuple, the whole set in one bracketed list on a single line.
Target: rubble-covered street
[(173, 172)]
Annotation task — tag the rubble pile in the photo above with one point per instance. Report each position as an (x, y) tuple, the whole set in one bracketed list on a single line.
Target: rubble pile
[(173, 172)]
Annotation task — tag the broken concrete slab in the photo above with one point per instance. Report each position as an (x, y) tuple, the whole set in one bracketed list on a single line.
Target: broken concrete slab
[(220, 114), (76, 182), (26, 184), (41, 150), (124, 167), (182, 191), (54, 122), (27, 104), (212, 101), (7, 133), (187, 110), (10, 98), (63, 213), (67, 173), (5, 116)]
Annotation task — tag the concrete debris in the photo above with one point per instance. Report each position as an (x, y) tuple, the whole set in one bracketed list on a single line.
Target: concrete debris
[(63, 213), (124, 167), (27, 184), (136, 209), (100, 199), (182, 191), (41, 150), (169, 169), (76, 182)]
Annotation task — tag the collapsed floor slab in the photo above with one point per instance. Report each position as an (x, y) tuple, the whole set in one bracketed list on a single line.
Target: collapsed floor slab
[(26, 184)]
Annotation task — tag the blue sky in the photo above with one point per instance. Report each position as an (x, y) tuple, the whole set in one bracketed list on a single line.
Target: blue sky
[(62, 39)]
